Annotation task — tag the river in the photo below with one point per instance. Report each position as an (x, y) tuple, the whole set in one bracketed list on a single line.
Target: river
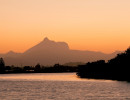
[(60, 86)]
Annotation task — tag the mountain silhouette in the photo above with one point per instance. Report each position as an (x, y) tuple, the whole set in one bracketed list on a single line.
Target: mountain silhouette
[(47, 45), (49, 52)]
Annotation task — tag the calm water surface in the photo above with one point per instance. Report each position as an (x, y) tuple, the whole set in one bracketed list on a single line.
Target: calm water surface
[(60, 86)]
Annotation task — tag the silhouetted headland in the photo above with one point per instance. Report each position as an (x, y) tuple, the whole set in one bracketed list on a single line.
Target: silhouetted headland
[(117, 68)]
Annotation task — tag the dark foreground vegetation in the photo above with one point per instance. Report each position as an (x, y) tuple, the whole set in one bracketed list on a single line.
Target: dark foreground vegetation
[(117, 68), (57, 68)]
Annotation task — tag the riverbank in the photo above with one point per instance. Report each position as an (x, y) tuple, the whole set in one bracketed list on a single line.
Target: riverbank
[(117, 68)]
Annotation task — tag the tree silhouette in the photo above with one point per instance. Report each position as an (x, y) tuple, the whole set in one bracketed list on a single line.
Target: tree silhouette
[(37, 68), (2, 65), (115, 69)]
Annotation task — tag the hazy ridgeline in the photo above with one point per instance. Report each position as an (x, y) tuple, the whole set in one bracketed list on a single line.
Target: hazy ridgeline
[(117, 68), (49, 52)]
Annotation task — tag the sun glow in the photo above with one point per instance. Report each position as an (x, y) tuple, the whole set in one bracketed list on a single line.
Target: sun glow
[(101, 25)]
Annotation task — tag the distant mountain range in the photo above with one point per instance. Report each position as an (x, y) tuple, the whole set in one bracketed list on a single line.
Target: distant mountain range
[(49, 52)]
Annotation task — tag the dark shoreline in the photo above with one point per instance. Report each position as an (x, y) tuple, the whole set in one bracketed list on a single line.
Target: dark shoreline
[(117, 68), (105, 79)]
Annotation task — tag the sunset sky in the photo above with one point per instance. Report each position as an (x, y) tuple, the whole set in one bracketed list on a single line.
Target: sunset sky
[(96, 25)]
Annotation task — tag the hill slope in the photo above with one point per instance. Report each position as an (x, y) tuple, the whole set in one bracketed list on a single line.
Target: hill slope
[(49, 52)]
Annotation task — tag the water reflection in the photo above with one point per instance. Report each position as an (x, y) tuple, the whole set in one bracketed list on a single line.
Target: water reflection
[(45, 76), (60, 86)]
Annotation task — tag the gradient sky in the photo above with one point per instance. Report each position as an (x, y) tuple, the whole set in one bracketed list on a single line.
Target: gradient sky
[(97, 25)]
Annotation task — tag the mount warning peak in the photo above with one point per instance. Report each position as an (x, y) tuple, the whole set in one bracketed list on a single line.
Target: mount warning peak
[(48, 46), (46, 39), (49, 52)]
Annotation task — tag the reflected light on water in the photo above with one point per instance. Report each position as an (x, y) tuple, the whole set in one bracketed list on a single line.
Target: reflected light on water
[(60, 86), (45, 76)]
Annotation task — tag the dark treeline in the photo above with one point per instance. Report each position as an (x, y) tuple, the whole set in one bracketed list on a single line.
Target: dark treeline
[(36, 69), (117, 68)]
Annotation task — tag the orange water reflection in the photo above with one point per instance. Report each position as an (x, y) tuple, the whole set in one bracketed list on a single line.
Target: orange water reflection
[(45, 76)]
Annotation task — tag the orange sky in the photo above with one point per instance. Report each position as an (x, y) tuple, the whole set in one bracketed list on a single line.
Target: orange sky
[(97, 25)]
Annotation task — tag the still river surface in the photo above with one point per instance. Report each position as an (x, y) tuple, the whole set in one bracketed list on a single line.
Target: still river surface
[(60, 86)]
